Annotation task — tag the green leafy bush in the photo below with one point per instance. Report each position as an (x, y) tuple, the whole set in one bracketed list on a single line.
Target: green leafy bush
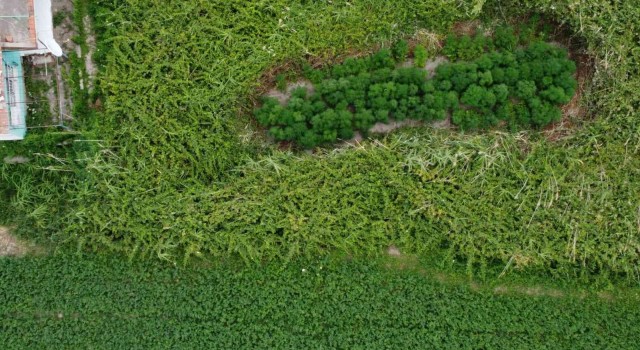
[(504, 38), (479, 97), (313, 75), (281, 82), (541, 75), (400, 51), (363, 91), (420, 56), (466, 48)]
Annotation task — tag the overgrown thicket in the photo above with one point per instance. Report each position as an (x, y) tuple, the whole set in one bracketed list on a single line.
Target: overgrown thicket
[(518, 86), (171, 171)]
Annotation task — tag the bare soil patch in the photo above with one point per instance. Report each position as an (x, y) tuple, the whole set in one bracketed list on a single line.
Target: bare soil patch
[(284, 96), (393, 251), (467, 27), (10, 245)]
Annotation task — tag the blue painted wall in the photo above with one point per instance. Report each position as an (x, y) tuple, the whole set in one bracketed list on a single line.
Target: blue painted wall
[(13, 58)]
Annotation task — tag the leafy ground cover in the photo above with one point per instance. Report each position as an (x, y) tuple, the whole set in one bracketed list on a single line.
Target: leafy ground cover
[(66, 302), (170, 166), (519, 87)]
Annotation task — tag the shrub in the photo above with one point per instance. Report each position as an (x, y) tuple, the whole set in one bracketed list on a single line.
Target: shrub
[(466, 119), (525, 89), (479, 97), (542, 112), (450, 48), (313, 75), (555, 94), (504, 38), (465, 47), (281, 82), (522, 88), (420, 56), (464, 74), (485, 78), (382, 59), (400, 51), (501, 91), (363, 120)]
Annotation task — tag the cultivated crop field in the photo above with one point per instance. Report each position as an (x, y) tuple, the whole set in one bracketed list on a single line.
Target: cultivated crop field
[(521, 163)]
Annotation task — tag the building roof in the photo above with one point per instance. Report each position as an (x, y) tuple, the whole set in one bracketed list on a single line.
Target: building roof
[(17, 25), (27, 25)]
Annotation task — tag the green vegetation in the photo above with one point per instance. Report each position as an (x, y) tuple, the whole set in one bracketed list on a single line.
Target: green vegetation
[(63, 302), (59, 17), (523, 88), (173, 167), (38, 113), (170, 167), (78, 78), (400, 51), (465, 48), (281, 82), (420, 55)]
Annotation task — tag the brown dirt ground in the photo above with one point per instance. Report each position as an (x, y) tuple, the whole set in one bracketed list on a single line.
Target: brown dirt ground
[(11, 246)]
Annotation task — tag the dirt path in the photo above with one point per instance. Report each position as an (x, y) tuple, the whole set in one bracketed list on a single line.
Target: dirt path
[(11, 246)]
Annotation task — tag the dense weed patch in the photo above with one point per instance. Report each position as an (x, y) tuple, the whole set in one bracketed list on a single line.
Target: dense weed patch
[(168, 168)]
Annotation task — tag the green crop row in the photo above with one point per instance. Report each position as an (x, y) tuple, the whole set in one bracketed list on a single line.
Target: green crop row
[(106, 303), (523, 88)]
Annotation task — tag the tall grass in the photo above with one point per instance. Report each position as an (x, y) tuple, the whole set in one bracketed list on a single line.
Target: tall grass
[(170, 178)]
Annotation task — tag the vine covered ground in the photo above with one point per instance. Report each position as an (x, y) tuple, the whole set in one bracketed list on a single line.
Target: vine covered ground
[(170, 164), (167, 219)]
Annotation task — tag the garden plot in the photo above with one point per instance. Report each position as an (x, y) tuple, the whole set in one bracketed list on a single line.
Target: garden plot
[(430, 67), (504, 81)]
